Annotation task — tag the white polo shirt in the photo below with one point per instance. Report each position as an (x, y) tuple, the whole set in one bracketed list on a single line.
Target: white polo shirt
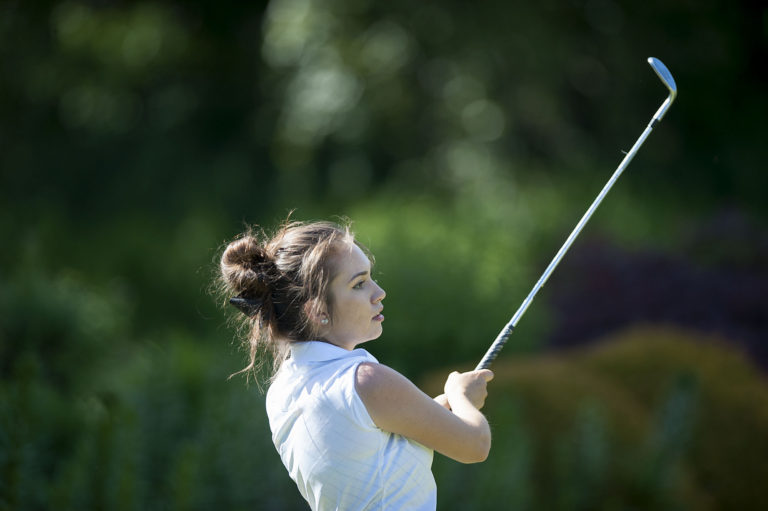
[(332, 449)]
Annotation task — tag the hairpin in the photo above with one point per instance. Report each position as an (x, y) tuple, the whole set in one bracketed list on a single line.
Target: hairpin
[(248, 306)]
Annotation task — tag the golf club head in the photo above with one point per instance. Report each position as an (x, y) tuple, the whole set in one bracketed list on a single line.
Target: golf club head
[(669, 82), (664, 74)]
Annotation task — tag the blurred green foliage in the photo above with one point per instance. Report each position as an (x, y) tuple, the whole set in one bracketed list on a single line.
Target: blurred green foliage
[(463, 140), (649, 418)]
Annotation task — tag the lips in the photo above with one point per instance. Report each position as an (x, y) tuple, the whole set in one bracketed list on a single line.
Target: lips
[(379, 316)]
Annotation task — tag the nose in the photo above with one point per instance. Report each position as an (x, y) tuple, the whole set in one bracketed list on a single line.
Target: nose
[(378, 294)]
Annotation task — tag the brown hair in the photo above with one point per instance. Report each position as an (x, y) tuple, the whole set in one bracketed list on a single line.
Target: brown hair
[(283, 280)]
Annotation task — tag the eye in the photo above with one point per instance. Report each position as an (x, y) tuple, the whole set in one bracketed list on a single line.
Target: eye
[(359, 285)]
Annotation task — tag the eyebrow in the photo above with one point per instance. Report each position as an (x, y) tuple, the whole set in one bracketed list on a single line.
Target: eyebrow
[(358, 274)]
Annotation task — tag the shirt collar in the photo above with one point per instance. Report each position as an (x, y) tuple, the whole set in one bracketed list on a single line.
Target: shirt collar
[(319, 351)]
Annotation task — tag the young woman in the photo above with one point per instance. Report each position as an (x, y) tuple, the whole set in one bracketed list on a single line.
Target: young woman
[(354, 434)]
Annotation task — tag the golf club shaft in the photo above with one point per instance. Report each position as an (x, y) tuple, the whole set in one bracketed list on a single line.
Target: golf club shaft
[(501, 339)]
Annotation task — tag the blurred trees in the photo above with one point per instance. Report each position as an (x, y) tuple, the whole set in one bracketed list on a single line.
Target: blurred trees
[(465, 142)]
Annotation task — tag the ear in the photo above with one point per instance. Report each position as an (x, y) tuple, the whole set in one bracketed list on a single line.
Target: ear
[(316, 311)]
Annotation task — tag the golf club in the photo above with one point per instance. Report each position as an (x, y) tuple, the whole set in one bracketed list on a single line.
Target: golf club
[(666, 77)]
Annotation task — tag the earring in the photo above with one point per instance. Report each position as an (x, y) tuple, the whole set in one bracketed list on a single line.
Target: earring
[(324, 321)]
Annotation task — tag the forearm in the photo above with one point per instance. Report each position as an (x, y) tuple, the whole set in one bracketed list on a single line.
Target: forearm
[(478, 431)]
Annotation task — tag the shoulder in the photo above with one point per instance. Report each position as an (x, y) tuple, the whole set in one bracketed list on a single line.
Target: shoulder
[(377, 380), (390, 397)]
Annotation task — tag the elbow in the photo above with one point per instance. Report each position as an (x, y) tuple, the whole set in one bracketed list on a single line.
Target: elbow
[(475, 457), (479, 450), (486, 450), (483, 449)]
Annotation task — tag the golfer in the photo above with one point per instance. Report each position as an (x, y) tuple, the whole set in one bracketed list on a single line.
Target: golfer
[(354, 434)]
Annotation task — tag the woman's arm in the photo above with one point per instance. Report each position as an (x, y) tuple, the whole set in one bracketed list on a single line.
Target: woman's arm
[(397, 405), (442, 400)]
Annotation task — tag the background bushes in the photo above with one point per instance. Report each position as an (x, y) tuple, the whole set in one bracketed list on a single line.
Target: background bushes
[(464, 143), (649, 418)]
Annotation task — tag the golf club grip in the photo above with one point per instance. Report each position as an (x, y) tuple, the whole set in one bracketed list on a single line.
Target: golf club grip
[(495, 348)]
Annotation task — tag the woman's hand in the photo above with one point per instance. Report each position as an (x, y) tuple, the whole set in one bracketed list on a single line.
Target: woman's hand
[(442, 400), (470, 386)]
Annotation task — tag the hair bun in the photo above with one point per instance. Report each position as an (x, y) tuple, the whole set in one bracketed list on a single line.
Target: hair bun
[(247, 268)]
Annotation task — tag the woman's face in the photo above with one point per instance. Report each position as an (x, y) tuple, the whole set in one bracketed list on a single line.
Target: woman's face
[(355, 300)]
